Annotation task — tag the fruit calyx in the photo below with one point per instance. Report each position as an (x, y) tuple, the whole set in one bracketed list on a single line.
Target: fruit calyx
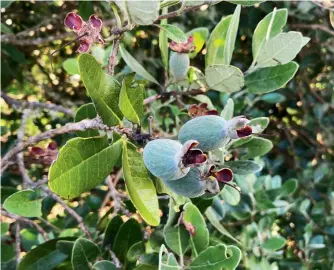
[(192, 157), (186, 47), (238, 127)]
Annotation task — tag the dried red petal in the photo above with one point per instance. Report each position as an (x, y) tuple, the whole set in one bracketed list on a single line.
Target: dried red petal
[(37, 151), (84, 46), (211, 112), (223, 175), (190, 228), (244, 132), (190, 39), (95, 22), (73, 21), (203, 106)]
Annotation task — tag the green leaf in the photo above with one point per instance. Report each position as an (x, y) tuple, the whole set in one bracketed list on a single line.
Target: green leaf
[(44, 256), (262, 29), (82, 164), (135, 251), (142, 12), (200, 35), (167, 260), (104, 265), (102, 88), (210, 214), (243, 167), (86, 111), (84, 253), (201, 238), (280, 50), (111, 231), (265, 80), (6, 4), (288, 187), (259, 124), (23, 203), (263, 202), (163, 41), (135, 66), (231, 36), (5, 29), (245, 2), (212, 258), (227, 113), (257, 147), (216, 44), (71, 66), (65, 246), (131, 100), (4, 228), (139, 185), (224, 78), (274, 243), (173, 32), (128, 234), (273, 98), (230, 195)]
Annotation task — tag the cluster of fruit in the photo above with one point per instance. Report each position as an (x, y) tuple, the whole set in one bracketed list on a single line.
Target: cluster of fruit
[(183, 165)]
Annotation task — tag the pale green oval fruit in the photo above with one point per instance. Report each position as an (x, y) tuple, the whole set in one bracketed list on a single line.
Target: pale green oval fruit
[(190, 186), (162, 158), (179, 65), (210, 131)]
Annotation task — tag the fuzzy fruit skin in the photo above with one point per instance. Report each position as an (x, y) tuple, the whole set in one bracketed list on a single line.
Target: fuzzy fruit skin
[(210, 131), (190, 186), (162, 157), (179, 65)]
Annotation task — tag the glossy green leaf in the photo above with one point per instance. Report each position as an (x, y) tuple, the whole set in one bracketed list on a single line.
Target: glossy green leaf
[(143, 12), (71, 66), (163, 41), (273, 98), (131, 100), (288, 187), (217, 42), (262, 30), (65, 246), (104, 265), (280, 50), (23, 203), (269, 79), (128, 234), (135, 251), (243, 167), (274, 243), (167, 261), (200, 36), (200, 240), (84, 253), (86, 111), (43, 257), (228, 110), (173, 32), (259, 124), (230, 195), (224, 78), (139, 185), (102, 88), (210, 214), (234, 258), (231, 36), (82, 164), (111, 231), (257, 147), (135, 66), (215, 258)]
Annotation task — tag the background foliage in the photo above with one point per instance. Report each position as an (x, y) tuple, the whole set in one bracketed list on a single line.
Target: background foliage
[(283, 219)]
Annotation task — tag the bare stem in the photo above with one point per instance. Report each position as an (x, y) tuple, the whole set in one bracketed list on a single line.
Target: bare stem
[(113, 56)]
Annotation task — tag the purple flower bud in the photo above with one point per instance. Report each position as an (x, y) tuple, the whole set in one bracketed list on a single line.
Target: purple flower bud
[(84, 46), (95, 22)]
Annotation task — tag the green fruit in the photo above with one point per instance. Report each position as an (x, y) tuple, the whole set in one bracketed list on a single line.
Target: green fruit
[(170, 159), (179, 65), (210, 131), (190, 186)]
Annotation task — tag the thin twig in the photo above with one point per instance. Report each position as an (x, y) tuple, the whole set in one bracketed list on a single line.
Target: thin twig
[(27, 221), (17, 242), (74, 214), (21, 104), (321, 27), (113, 56)]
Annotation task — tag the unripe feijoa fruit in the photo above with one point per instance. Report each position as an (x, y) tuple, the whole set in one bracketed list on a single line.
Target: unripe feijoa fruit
[(179, 65), (190, 186), (210, 131)]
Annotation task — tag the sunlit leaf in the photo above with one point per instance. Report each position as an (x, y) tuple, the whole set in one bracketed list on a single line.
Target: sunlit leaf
[(231, 36), (84, 253), (86, 111), (173, 32)]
